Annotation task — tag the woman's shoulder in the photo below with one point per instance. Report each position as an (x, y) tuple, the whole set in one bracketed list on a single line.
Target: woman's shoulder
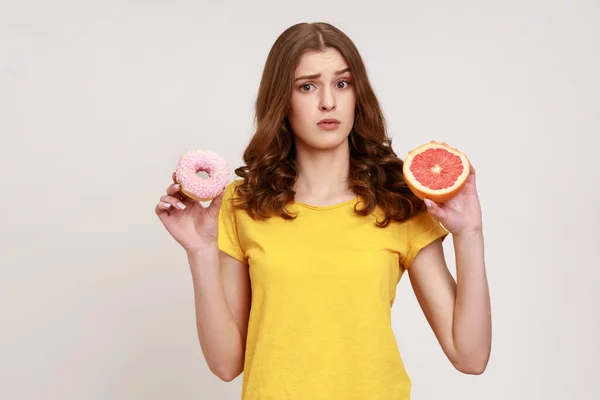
[(412, 223), (230, 189)]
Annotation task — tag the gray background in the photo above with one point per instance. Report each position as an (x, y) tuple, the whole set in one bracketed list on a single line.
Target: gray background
[(98, 99)]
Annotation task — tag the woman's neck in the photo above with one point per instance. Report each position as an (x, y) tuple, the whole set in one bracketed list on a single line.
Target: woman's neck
[(323, 175)]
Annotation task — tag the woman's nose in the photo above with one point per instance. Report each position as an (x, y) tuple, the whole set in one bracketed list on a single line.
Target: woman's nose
[(327, 100)]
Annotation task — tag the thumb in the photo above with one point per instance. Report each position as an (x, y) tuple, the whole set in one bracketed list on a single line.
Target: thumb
[(215, 204)]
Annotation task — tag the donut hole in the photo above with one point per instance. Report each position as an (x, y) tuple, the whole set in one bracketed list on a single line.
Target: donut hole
[(202, 174)]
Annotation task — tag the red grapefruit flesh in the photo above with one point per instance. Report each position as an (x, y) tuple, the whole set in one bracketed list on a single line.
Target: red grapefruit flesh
[(436, 171)]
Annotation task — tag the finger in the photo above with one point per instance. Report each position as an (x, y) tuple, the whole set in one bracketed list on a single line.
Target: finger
[(471, 168), (174, 190), (173, 201), (162, 208), (434, 209), (215, 204)]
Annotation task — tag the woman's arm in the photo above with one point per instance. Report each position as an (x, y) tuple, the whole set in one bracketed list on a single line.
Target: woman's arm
[(458, 312), (222, 302)]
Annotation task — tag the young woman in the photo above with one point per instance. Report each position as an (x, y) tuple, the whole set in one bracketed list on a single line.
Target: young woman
[(295, 266)]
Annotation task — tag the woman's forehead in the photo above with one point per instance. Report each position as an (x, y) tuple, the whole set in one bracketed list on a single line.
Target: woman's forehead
[(326, 61)]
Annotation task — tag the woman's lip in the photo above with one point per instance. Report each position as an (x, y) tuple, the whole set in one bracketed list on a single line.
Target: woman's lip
[(328, 125)]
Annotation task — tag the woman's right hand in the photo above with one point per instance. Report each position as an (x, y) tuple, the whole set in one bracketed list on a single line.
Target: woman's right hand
[(191, 224)]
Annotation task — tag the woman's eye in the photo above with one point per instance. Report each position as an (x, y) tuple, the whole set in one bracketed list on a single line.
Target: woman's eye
[(342, 84), (305, 87)]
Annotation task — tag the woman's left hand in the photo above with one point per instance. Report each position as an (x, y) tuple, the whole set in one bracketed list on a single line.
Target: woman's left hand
[(462, 213)]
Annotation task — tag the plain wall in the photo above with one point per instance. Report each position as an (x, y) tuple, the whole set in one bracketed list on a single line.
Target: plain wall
[(98, 99)]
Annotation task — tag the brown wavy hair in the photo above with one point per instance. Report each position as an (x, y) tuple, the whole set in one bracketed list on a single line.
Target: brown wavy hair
[(270, 169)]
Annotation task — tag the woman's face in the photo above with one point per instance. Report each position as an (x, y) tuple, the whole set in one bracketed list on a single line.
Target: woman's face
[(322, 101)]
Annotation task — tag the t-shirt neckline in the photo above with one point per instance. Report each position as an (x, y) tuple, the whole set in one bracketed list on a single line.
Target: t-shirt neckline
[(329, 207)]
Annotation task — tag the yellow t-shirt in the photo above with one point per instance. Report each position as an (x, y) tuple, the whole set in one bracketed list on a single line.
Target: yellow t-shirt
[(322, 289)]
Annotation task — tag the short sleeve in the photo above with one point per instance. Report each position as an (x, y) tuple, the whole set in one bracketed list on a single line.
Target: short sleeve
[(422, 230), (229, 241)]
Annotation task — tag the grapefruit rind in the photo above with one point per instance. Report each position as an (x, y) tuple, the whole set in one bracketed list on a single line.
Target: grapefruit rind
[(438, 195)]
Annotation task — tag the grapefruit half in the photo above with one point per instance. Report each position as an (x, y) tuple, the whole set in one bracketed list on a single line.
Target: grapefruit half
[(436, 171)]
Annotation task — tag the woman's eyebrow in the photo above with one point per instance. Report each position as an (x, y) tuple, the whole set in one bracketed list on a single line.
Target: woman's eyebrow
[(315, 76)]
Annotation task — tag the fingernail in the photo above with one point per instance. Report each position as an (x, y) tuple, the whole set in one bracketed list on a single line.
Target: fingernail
[(180, 205), (428, 203), (176, 186), (166, 205)]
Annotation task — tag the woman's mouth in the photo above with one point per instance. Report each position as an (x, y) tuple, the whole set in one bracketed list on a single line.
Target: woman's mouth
[(329, 123)]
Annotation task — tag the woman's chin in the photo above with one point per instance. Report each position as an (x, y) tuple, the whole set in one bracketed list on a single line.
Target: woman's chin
[(324, 142)]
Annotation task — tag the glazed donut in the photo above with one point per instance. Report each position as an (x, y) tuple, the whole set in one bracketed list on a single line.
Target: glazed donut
[(196, 187)]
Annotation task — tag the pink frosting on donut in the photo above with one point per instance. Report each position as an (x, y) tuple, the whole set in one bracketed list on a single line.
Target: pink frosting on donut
[(195, 161)]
